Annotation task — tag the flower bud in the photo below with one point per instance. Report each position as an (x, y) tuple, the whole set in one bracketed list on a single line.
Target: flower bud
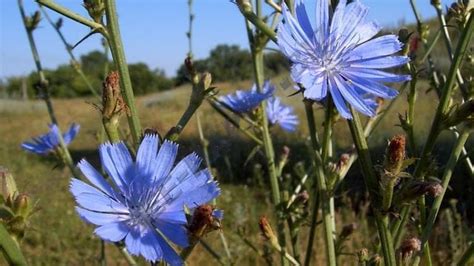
[(395, 155), (266, 230), (59, 23), (22, 205), (363, 255), (32, 21), (95, 8), (403, 35), (112, 101), (410, 246), (414, 189), (204, 220), (7, 184), (376, 260)]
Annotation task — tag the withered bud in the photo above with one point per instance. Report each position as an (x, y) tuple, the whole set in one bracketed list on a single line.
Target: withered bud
[(348, 230), (343, 160), (32, 21), (203, 221), (266, 230), (95, 8), (363, 255), (395, 155), (7, 184), (112, 101), (409, 246), (301, 198), (376, 260), (414, 189)]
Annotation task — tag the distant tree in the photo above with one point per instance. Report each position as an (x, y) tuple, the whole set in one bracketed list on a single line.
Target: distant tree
[(66, 83), (230, 63)]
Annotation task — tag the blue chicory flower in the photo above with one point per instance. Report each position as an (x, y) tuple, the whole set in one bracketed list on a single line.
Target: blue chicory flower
[(245, 101), (145, 204), (48, 142), (339, 55), (281, 114)]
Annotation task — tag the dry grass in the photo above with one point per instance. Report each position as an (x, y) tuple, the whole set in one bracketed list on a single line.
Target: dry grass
[(58, 237)]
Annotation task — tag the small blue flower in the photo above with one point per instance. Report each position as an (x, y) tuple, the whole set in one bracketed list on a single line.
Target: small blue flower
[(338, 56), (246, 101), (48, 142), (145, 204), (281, 114)]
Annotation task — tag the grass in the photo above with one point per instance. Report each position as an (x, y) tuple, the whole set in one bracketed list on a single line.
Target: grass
[(58, 237)]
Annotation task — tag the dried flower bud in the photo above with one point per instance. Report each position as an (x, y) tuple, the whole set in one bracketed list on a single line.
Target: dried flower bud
[(301, 198), (266, 230), (203, 221), (112, 101), (395, 155), (348, 230), (376, 260), (7, 184), (363, 255), (414, 189), (95, 8), (410, 246)]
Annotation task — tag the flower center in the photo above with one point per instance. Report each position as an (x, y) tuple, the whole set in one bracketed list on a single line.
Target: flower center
[(138, 216)]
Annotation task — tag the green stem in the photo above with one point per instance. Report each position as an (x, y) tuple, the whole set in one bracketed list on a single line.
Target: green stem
[(10, 249), (450, 165), (372, 185), (74, 16), (246, 10), (116, 46), (439, 116), (449, 47), (466, 257), (324, 194)]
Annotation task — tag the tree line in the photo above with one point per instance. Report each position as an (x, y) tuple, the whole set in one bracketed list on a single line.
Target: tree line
[(225, 62)]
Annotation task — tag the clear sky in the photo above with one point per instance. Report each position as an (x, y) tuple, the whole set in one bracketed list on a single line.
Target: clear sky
[(153, 31)]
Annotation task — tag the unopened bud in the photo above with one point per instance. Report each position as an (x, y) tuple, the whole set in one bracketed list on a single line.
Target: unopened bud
[(410, 246), (21, 205), (95, 8), (112, 101), (203, 221), (7, 184), (32, 21), (395, 155), (266, 230), (59, 23)]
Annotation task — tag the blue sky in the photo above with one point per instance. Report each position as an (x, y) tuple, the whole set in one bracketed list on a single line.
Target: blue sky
[(153, 31)]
